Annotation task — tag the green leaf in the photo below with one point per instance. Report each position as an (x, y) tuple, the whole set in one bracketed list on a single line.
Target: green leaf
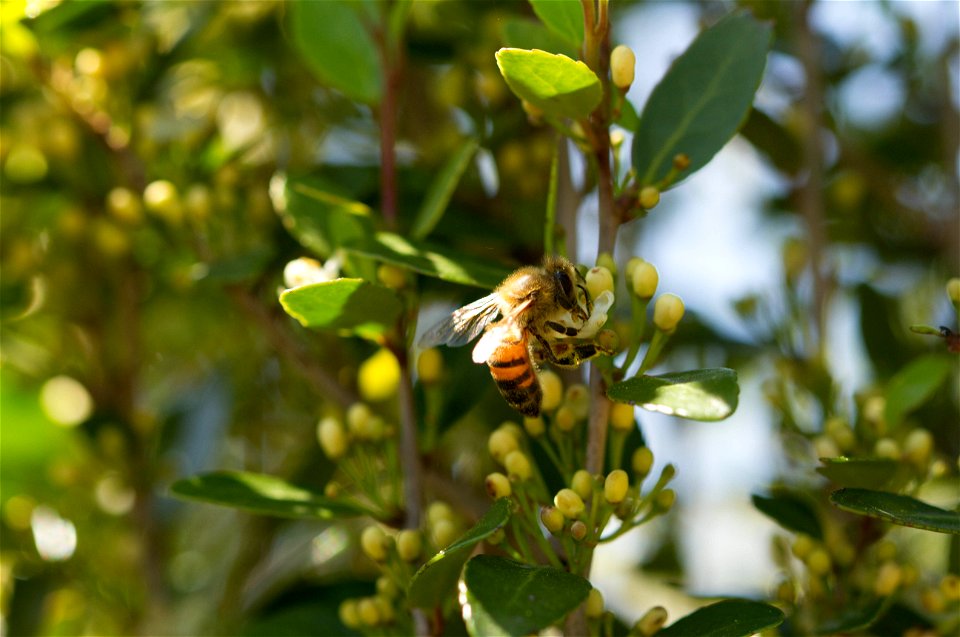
[(898, 509), (504, 597), (703, 99), (790, 510), (773, 140), (702, 394), (628, 117), (521, 33), (438, 577), (854, 619), (319, 219), (561, 87), (355, 305), (267, 495), (914, 385), (729, 618), (336, 44), (436, 200), (861, 472), (563, 17), (431, 260)]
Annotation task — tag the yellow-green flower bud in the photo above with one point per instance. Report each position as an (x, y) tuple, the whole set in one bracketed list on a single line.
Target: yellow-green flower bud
[(622, 63), (331, 489), (386, 586), (430, 366), (358, 419), (497, 537), (534, 426), (125, 206), (552, 519), (616, 485), (517, 465), (379, 376), (569, 503), (439, 511), (373, 541), (162, 199), (409, 544), (198, 201), (887, 448), (565, 419), (645, 280), (950, 587), (368, 611), (444, 533), (932, 601), (498, 486), (665, 499), (501, 443), (888, 579), (392, 276), (621, 416), (605, 259), (599, 280), (953, 290), (349, 614), (385, 609), (802, 546), (333, 439), (578, 530), (552, 387), (578, 399), (818, 562), (582, 483), (642, 461), (649, 197), (667, 312), (593, 607), (631, 265), (918, 446), (651, 622)]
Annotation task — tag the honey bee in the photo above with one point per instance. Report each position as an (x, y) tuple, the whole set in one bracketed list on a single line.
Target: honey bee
[(536, 314)]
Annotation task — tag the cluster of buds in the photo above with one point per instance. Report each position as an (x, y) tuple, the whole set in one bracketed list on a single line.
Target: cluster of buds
[(642, 280)]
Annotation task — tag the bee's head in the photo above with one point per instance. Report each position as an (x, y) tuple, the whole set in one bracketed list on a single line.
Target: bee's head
[(568, 283)]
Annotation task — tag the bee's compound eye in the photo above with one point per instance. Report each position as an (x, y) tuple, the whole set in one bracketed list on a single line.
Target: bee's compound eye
[(566, 285)]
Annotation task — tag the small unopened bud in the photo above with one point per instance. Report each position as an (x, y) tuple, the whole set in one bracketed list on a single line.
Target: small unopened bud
[(552, 388), (649, 197), (621, 416), (599, 279), (552, 519), (645, 280), (333, 439), (577, 398), (651, 622), (368, 611), (950, 587), (918, 446), (444, 533), (818, 561), (501, 443), (392, 276), (349, 614), (517, 465), (887, 448), (498, 486), (888, 579), (565, 419), (569, 503), (439, 511), (578, 530), (665, 499), (379, 376), (534, 426), (681, 161), (802, 546), (373, 541), (409, 544), (642, 461), (331, 489), (622, 64), (953, 290), (616, 485), (497, 537), (430, 366), (605, 259), (593, 607), (386, 586), (582, 483), (667, 312)]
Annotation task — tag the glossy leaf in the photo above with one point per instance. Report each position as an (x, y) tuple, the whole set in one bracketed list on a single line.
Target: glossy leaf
[(355, 305), (438, 577), (729, 618), (914, 385), (558, 85), (336, 44), (521, 33), (702, 394), (898, 509), (861, 472), (436, 200), (563, 17), (703, 99), (431, 260), (790, 510), (263, 494), (504, 597)]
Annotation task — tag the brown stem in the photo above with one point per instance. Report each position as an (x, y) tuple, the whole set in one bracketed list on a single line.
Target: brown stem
[(391, 66)]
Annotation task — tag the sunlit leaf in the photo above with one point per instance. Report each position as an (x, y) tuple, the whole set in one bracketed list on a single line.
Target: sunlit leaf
[(914, 385), (504, 597), (729, 618), (563, 17), (436, 200), (702, 394), (438, 577), (703, 99), (344, 304), (264, 494), (559, 86), (898, 509), (520, 33), (862, 472)]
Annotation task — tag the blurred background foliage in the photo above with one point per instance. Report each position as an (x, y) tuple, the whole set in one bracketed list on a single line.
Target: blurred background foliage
[(142, 340)]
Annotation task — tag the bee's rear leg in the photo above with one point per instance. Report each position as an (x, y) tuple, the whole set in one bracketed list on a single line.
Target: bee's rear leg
[(562, 329)]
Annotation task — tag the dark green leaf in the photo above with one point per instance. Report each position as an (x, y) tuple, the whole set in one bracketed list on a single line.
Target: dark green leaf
[(559, 86), (702, 394), (438, 577), (263, 494), (773, 140), (335, 42), (72, 15), (790, 510), (703, 99), (915, 384), (434, 261), (563, 17), (860, 472), (854, 619), (729, 618), (628, 117), (344, 304), (520, 33), (898, 509), (504, 597), (436, 200), (235, 269)]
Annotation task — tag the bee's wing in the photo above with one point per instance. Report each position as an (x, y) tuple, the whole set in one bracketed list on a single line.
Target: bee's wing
[(463, 325)]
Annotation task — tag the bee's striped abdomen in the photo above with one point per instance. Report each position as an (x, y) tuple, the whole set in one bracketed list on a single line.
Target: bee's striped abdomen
[(516, 378)]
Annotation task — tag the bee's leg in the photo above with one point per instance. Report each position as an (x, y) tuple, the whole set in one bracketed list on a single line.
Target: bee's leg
[(561, 329)]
